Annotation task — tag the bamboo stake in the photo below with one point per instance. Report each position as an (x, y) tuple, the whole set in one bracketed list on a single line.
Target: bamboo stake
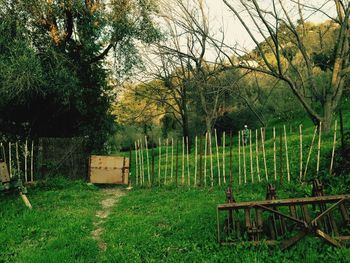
[(147, 158), (244, 160), (130, 168), (142, 163), (230, 158), (310, 150), (172, 160), (333, 149), (166, 161), (188, 163), (136, 165), (195, 161), (264, 154), (32, 163), (257, 154), (139, 154), (177, 161), (205, 158), (25, 161), (287, 158), (159, 159), (10, 159), (274, 155), (281, 157), (251, 156), (319, 149), (301, 150), (17, 158), (217, 155), (200, 159), (183, 162), (239, 158), (223, 157), (3, 152), (152, 174), (211, 161)]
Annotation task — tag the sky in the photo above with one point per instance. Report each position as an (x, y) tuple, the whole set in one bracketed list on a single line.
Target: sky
[(235, 33)]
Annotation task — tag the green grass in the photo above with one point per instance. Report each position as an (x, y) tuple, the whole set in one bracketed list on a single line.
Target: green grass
[(167, 225), (58, 228)]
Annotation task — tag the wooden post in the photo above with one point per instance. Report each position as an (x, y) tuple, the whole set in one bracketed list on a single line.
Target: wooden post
[(301, 151), (3, 152), (142, 164), (166, 161), (195, 161), (310, 151), (223, 156), (274, 155), (177, 161), (152, 179), (136, 165), (183, 162), (333, 149), (264, 154), (25, 161), (172, 160), (147, 159), (188, 163), (17, 158), (10, 159), (159, 159), (217, 156), (211, 161), (251, 155), (205, 158), (130, 167), (281, 158), (319, 149), (32, 163), (244, 161), (287, 158), (230, 158), (200, 159), (257, 154), (239, 158), (341, 130)]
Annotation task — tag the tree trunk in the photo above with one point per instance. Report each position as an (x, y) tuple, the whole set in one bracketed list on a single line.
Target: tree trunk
[(327, 115)]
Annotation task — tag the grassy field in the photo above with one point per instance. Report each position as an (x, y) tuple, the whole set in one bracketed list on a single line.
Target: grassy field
[(159, 224), (147, 225)]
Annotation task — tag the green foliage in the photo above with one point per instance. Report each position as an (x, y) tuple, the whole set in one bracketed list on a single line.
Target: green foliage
[(53, 64)]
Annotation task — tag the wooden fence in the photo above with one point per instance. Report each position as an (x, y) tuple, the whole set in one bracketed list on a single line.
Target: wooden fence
[(46, 157), (249, 157)]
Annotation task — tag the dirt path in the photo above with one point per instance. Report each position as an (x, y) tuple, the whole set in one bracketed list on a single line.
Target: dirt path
[(111, 198)]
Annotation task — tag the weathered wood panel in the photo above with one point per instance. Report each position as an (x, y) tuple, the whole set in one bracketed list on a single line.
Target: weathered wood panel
[(4, 174), (108, 169)]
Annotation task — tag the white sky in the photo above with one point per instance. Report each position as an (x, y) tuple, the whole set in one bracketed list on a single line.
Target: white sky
[(235, 33)]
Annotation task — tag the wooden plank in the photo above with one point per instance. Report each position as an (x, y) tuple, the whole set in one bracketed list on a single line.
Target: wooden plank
[(109, 170), (4, 174), (283, 202)]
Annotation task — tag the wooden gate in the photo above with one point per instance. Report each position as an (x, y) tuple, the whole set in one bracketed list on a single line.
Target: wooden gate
[(108, 169)]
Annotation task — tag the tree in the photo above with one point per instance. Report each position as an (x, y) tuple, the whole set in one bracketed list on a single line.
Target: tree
[(284, 52), (85, 38)]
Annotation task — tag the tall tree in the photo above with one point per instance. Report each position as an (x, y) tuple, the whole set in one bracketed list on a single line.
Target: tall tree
[(284, 53), (91, 39)]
